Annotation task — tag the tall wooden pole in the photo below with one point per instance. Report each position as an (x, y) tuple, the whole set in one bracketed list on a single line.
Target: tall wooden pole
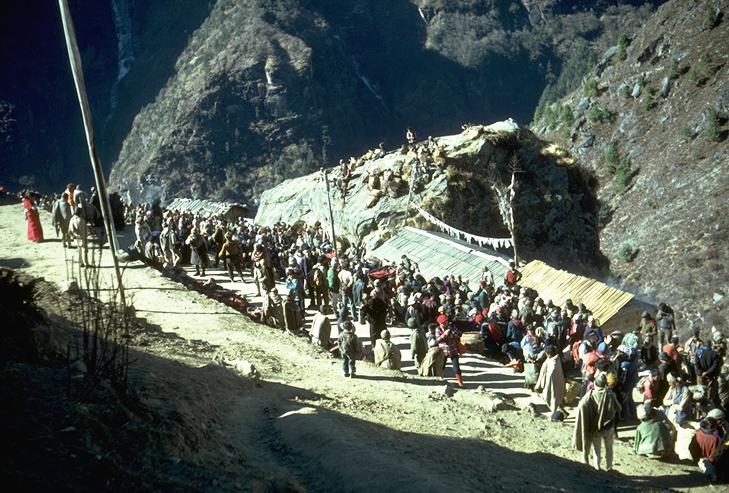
[(331, 213), (74, 59)]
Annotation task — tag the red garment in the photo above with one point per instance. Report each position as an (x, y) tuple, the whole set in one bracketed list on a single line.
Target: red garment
[(710, 445), (672, 351), (35, 229), (590, 362)]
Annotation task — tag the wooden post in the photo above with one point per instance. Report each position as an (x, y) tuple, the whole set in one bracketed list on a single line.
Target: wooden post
[(331, 213), (74, 59)]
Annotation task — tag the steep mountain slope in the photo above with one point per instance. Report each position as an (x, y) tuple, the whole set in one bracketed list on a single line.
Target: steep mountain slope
[(651, 124), (128, 49), (267, 90)]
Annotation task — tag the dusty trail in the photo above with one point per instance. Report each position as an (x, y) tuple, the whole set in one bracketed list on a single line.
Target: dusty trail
[(306, 427)]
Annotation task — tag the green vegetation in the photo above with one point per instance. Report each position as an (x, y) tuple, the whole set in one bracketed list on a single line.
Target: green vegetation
[(648, 101), (626, 251), (612, 156), (598, 113), (625, 91), (590, 87), (619, 166), (674, 70), (621, 178), (687, 131), (623, 42), (713, 130), (701, 70), (713, 15), (557, 115)]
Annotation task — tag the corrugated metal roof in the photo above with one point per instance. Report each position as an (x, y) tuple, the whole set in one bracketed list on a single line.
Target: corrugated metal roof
[(204, 206), (439, 255), (559, 285)]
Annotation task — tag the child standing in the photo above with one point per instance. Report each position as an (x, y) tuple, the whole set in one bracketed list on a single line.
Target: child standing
[(350, 348)]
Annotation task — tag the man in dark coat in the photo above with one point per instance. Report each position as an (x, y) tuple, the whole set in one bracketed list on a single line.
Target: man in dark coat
[(375, 311)]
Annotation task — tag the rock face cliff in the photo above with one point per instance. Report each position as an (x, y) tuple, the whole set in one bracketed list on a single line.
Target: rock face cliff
[(267, 90), (650, 123), (555, 210)]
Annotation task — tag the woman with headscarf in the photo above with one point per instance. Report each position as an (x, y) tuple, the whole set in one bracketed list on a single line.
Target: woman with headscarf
[(35, 229)]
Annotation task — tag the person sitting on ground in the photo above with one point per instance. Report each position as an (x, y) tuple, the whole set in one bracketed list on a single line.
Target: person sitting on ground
[(653, 435), (713, 461), (321, 330), (435, 360), (350, 349), (387, 355)]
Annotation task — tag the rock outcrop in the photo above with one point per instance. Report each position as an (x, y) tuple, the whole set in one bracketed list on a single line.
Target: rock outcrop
[(555, 210), (651, 124)]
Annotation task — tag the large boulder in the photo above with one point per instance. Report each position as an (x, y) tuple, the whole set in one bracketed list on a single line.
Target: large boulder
[(555, 210)]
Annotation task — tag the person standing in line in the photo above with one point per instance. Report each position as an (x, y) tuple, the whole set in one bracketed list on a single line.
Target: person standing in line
[(597, 417), (35, 229), (61, 215)]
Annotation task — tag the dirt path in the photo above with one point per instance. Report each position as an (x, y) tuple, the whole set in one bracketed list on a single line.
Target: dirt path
[(307, 427)]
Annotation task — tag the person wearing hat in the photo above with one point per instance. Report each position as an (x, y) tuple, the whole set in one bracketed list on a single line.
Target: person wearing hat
[(720, 418), (386, 353), (232, 256), (596, 421), (448, 338), (653, 435), (665, 366), (219, 239)]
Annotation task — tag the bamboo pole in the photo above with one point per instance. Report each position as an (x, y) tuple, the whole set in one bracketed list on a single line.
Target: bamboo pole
[(74, 59), (331, 213)]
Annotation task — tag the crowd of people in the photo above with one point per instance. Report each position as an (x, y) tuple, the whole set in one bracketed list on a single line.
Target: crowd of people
[(680, 381)]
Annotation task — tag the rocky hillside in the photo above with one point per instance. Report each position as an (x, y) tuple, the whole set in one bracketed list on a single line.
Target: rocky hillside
[(555, 211), (650, 123), (128, 49), (266, 90)]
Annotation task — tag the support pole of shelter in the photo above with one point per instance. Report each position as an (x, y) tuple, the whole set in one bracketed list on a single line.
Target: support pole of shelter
[(74, 59), (331, 213)]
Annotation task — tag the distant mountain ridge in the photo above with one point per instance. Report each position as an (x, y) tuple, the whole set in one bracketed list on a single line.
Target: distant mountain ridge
[(267, 90)]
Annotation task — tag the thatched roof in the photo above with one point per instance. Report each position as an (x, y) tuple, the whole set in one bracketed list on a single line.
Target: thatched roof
[(559, 285)]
